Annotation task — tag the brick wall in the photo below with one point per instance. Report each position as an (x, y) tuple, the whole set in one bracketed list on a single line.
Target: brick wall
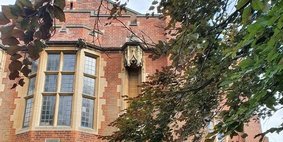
[(113, 35), (8, 96), (111, 109), (64, 136)]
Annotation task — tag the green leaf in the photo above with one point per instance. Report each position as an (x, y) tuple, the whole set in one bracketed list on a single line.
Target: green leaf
[(272, 55), (241, 3), (3, 19), (154, 2), (281, 101), (246, 15), (270, 102), (257, 5), (245, 64), (59, 14), (151, 8), (60, 3), (280, 23), (225, 83)]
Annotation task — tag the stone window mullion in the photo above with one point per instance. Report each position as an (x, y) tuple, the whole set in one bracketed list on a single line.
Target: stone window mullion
[(57, 101), (77, 97)]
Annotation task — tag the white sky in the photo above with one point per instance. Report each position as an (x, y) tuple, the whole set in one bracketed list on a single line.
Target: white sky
[(142, 7), (138, 5)]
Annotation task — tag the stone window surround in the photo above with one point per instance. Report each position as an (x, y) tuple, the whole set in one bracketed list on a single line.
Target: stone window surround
[(77, 94), (29, 95)]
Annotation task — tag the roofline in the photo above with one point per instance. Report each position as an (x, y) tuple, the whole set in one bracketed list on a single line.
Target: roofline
[(92, 46), (131, 10), (107, 15)]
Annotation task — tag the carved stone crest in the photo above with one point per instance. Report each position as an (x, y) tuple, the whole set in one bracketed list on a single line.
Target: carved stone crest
[(133, 56)]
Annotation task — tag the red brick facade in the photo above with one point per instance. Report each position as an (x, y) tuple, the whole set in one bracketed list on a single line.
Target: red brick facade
[(79, 24), (64, 136), (7, 106)]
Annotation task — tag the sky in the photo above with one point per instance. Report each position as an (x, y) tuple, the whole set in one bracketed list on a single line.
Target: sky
[(142, 7), (138, 5)]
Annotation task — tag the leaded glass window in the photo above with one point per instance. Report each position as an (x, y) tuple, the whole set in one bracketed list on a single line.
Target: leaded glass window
[(87, 113), (59, 88), (90, 65), (31, 86), (88, 86), (34, 66), (69, 62), (50, 83), (47, 110), (53, 62), (30, 94), (67, 83), (65, 109), (88, 92), (61, 69), (28, 111)]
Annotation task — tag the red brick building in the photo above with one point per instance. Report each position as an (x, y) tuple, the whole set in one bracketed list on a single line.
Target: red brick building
[(73, 93)]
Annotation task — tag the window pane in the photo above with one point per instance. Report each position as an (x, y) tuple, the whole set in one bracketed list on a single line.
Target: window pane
[(69, 62), (34, 66), (53, 62), (31, 86), (50, 83), (65, 109), (89, 66), (67, 83), (28, 112), (220, 137), (88, 86), (87, 113), (47, 110)]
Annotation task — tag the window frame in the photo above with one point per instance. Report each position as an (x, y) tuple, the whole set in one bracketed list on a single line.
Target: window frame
[(32, 75), (71, 110), (31, 112), (77, 96), (60, 72), (96, 86)]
